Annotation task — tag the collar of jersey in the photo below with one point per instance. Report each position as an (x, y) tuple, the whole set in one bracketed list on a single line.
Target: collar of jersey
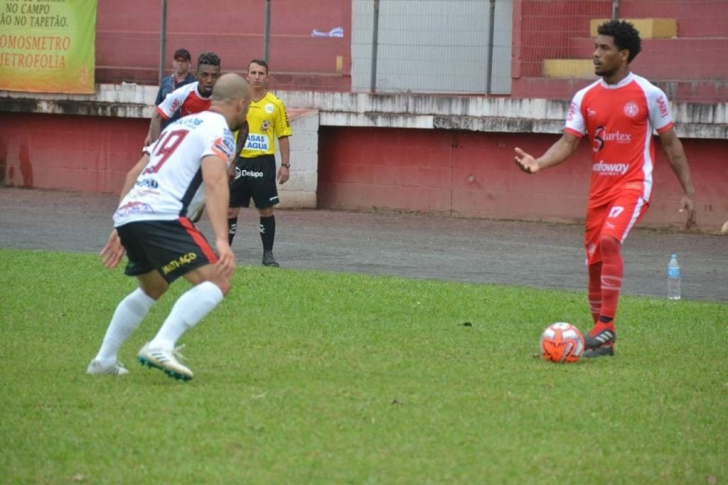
[(198, 93), (628, 79)]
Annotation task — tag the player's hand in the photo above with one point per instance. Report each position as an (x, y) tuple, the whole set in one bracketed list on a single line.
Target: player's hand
[(526, 162), (226, 262), (113, 251), (231, 170), (283, 175), (687, 204)]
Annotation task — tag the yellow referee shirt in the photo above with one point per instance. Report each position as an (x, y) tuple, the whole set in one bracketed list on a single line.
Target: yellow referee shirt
[(267, 120)]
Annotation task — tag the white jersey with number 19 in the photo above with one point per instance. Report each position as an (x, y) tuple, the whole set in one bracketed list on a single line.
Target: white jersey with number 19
[(167, 185)]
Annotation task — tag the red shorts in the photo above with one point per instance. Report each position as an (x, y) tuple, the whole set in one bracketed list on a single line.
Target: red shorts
[(615, 219)]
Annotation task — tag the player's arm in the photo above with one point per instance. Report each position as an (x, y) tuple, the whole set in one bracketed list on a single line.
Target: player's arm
[(113, 251), (284, 172), (679, 163), (217, 199), (155, 127), (558, 153)]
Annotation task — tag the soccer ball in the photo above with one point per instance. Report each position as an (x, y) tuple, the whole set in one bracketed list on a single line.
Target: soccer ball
[(562, 342)]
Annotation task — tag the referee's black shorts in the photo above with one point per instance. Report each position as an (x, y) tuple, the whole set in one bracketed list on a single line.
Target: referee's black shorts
[(254, 178), (174, 248)]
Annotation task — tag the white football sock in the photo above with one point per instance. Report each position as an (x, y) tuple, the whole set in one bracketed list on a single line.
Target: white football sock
[(189, 309), (128, 315)]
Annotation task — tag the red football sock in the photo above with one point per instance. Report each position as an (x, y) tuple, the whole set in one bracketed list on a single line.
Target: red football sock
[(612, 272), (594, 290)]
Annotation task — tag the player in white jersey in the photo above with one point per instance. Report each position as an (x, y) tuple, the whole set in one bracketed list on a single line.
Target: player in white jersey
[(152, 228)]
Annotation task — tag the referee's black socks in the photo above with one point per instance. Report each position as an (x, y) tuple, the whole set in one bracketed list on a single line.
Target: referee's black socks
[(268, 232), (232, 229)]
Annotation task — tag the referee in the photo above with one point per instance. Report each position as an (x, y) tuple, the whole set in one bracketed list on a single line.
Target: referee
[(255, 168)]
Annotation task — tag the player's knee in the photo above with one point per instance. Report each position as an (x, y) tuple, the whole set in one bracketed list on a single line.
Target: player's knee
[(155, 293), (609, 245), (233, 212), (224, 285), (267, 212), (154, 289)]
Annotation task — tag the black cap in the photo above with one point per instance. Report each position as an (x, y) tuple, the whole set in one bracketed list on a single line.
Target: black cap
[(184, 53)]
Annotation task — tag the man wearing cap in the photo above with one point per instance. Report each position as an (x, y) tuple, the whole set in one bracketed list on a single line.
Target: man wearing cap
[(180, 76)]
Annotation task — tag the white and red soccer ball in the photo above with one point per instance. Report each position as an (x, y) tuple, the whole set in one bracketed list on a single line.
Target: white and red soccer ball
[(562, 342)]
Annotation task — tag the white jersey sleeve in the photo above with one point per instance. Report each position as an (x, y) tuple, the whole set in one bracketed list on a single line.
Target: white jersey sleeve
[(174, 100), (657, 105), (575, 119)]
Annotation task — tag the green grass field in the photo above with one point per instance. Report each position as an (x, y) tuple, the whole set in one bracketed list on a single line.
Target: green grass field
[(309, 377)]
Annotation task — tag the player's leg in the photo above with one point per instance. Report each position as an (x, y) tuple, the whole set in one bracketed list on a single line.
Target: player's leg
[(192, 306), (594, 221), (594, 290), (187, 254), (600, 334), (621, 217), (132, 309)]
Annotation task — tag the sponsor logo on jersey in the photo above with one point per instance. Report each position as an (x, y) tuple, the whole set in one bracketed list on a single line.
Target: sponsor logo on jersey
[(179, 262), (612, 169), (247, 173), (590, 113), (257, 142), (572, 112), (631, 109), (190, 120), (147, 182), (662, 103), (131, 208), (269, 108), (601, 136), (223, 148), (265, 125)]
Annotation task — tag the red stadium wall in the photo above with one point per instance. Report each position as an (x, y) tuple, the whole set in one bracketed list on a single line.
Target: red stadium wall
[(451, 172), (60, 152), (472, 174)]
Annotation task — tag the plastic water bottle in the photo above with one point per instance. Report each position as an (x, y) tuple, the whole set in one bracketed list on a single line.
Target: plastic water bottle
[(673, 279)]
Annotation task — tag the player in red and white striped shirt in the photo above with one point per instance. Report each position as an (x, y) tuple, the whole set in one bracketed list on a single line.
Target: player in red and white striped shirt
[(618, 113)]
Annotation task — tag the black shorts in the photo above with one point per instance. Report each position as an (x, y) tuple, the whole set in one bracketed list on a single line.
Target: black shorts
[(254, 178), (173, 248)]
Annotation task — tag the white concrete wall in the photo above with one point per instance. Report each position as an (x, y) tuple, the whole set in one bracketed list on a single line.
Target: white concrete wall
[(300, 190), (471, 113)]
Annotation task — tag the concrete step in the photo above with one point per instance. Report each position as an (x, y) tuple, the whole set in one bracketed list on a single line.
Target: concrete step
[(649, 28), (568, 68), (694, 18), (669, 59), (707, 92)]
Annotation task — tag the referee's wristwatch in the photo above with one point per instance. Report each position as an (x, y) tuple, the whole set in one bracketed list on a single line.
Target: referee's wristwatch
[(287, 165)]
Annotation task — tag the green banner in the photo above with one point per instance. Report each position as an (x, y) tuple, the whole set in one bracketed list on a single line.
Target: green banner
[(47, 46)]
